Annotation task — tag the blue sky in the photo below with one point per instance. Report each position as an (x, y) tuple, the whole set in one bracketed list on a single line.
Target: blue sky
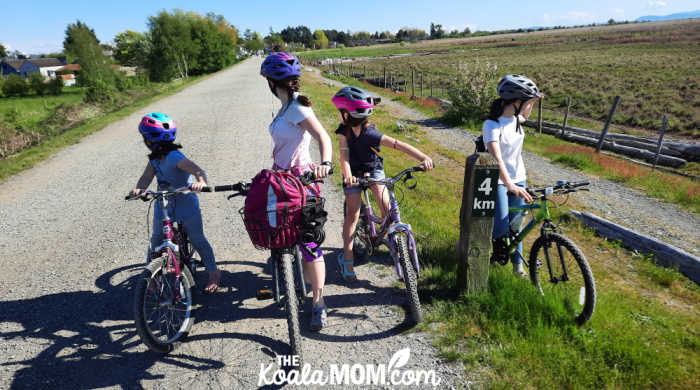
[(37, 26)]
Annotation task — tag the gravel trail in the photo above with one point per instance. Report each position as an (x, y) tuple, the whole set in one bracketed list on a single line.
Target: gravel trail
[(73, 250), (623, 205)]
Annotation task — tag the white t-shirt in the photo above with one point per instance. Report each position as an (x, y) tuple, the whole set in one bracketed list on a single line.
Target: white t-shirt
[(511, 143), (291, 141)]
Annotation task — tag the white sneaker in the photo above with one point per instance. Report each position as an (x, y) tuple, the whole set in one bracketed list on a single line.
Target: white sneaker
[(518, 269)]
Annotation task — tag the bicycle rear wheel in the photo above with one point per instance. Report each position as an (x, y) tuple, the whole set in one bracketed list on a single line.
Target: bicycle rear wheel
[(163, 304), (409, 277), (292, 305), (558, 267)]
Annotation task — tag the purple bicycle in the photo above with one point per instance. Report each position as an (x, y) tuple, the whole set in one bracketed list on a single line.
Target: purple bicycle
[(371, 231)]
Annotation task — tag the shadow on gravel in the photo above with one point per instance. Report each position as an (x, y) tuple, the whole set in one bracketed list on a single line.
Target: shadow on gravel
[(86, 343)]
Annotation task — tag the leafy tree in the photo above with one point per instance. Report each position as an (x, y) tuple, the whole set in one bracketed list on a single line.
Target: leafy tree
[(274, 39), (132, 48), (410, 34), (300, 34), (15, 85), (342, 38), (611, 21), (320, 40), (96, 73), (36, 82), (466, 31), (436, 31), (3, 51), (77, 29), (332, 35), (255, 41)]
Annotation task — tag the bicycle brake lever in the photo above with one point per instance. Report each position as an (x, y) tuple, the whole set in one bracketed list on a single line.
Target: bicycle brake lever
[(407, 178)]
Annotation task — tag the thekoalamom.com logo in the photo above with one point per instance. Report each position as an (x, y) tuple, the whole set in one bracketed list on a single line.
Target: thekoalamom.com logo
[(348, 374)]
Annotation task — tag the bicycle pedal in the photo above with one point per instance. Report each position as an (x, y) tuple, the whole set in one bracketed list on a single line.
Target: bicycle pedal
[(264, 294)]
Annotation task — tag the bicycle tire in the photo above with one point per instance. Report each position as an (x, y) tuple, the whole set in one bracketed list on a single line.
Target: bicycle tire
[(151, 290), (578, 292), (409, 277), (291, 304)]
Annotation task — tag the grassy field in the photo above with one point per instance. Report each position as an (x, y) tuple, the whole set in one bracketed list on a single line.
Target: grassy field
[(644, 333), (652, 66), (668, 187)]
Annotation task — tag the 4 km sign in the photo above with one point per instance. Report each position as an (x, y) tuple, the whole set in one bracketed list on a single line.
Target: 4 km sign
[(486, 183)]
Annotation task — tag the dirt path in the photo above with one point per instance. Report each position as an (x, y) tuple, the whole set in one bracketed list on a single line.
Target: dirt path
[(623, 205), (73, 249)]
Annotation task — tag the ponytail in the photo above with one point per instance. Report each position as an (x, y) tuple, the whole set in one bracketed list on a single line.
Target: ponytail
[(351, 122), (497, 108), (292, 85)]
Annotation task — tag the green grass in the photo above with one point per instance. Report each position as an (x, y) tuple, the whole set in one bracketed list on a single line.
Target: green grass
[(644, 333), (652, 67), (31, 110), (31, 156)]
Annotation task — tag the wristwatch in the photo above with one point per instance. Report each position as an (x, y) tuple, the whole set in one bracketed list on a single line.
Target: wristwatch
[(329, 164)]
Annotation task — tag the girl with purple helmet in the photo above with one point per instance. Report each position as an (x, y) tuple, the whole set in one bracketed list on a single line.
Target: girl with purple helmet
[(503, 136), (173, 170), (292, 130), (360, 144)]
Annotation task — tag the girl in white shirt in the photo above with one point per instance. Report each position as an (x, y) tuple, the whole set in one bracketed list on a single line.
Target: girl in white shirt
[(292, 130), (503, 136)]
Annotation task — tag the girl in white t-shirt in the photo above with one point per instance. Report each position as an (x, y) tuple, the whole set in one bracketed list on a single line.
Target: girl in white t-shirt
[(292, 130), (503, 136)]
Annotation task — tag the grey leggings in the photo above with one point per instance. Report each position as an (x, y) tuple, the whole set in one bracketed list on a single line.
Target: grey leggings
[(195, 232)]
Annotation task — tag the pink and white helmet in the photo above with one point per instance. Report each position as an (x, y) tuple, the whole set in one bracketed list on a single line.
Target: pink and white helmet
[(356, 101)]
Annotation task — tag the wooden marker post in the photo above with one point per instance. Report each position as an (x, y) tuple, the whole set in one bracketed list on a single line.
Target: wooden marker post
[(476, 222), (413, 83), (421, 85), (539, 116)]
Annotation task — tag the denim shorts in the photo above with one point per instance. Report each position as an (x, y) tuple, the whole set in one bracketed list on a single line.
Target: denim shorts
[(376, 175)]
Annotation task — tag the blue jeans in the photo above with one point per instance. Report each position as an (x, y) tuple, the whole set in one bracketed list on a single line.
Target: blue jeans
[(195, 232), (503, 218)]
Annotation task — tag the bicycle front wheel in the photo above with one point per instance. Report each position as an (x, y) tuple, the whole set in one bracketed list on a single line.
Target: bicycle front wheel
[(292, 306), (558, 267), (409, 277), (163, 304)]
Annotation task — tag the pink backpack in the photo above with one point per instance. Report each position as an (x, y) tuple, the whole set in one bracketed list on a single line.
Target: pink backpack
[(272, 211)]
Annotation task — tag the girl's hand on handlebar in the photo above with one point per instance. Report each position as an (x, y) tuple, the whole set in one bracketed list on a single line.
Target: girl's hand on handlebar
[(321, 171), (349, 181), (135, 192), (427, 164), (197, 186), (520, 192)]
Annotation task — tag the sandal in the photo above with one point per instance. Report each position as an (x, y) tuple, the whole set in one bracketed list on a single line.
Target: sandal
[(348, 276), (214, 279)]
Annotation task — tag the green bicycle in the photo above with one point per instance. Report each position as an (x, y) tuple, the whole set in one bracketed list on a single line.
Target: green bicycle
[(567, 274)]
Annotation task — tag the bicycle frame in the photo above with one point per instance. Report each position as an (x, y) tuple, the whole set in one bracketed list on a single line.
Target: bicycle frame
[(542, 214), (389, 225)]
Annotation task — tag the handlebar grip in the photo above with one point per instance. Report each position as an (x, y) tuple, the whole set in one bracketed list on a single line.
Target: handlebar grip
[(580, 183), (229, 187), (206, 189)]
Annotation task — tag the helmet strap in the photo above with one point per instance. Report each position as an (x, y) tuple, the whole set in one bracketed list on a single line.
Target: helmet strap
[(517, 117)]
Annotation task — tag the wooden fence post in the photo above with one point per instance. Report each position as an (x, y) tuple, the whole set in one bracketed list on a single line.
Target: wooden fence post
[(413, 83), (476, 222), (566, 115), (607, 124), (539, 116), (364, 71), (661, 140), (430, 80), (421, 84), (384, 76)]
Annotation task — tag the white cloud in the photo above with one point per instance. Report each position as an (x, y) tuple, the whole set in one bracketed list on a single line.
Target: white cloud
[(657, 3), (618, 13)]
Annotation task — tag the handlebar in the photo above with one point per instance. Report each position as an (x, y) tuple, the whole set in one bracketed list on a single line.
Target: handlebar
[(365, 182), (561, 188)]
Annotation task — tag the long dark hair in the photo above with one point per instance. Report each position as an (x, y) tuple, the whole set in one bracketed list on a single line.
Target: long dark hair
[(349, 122), (497, 107), (160, 149), (291, 85)]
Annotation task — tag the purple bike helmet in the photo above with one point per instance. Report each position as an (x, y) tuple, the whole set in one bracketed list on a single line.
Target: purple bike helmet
[(157, 127), (279, 66)]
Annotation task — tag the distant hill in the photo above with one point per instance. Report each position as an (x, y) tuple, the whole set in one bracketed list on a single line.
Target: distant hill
[(682, 15)]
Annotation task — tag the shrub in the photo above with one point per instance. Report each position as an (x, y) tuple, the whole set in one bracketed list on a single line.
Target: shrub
[(473, 94), (122, 82), (15, 85), (55, 86), (100, 92), (36, 81)]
